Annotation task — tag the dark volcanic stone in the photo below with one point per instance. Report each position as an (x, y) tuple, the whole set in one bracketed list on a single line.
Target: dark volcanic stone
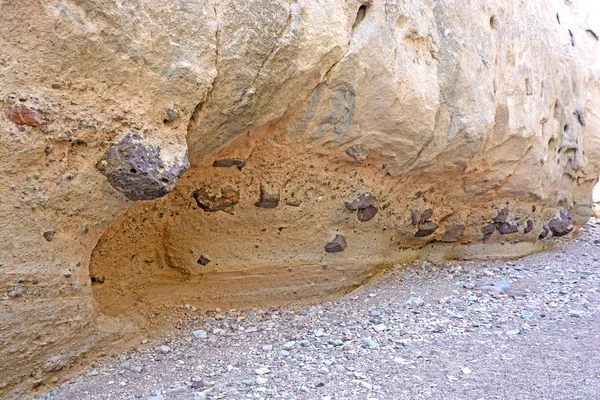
[(562, 225), (529, 226), (363, 200), (268, 198), (230, 162), (336, 245), (415, 216), (544, 233), (501, 217), (137, 170), (488, 230), (426, 229), (453, 232), (506, 228), (203, 260), (426, 215), (358, 152), (367, 213), (293, 202), (212, 201), (366, 205), (49, 235)]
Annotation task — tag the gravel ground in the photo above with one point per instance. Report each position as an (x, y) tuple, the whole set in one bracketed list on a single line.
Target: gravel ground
[(523, 329)]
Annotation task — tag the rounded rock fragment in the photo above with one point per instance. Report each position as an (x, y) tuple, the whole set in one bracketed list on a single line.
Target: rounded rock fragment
[(20, 114), (336, 245), (137, 169)]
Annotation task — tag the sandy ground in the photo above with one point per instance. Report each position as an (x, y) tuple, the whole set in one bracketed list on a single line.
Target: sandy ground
[(520, 329)]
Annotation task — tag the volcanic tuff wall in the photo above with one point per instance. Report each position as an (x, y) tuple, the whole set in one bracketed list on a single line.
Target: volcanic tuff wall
[(326, 140)]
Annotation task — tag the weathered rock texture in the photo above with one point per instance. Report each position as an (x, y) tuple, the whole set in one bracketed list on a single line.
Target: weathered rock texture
[(473, 125)]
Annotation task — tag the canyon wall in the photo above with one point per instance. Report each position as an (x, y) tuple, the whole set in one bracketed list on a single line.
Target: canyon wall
[(252, 153)]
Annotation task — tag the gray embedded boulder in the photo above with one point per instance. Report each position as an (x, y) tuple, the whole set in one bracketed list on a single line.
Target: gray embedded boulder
[(135, 167)]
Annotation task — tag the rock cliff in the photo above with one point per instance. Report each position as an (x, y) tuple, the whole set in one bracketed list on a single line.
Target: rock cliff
[(251, 153)]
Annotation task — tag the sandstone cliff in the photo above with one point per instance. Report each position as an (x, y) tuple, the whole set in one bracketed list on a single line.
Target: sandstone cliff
[(239, 153)]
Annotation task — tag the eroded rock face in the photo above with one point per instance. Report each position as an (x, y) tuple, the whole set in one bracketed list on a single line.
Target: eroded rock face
[(474, 125)]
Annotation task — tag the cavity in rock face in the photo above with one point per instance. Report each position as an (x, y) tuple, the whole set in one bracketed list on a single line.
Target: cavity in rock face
[(366, 205), (137, 170), (336, 245), (212, 200), (269, 198), (562, 225)]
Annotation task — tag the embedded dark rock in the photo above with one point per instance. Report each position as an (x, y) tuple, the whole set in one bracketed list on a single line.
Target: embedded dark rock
[(171, 114), (529, 226), (363, 200), (453, 232), (544, 233), (49, 235), (366, 205), (230, 162), (293, 202), (426, 229), (505, 228), (367, 213), (223, 200), (500, 223), (269, 198), (426, 215), (137, 170), (415, 216), (501, 217), (488, 230), (562, 225), (336, 245), (97, 279), (203, 260), (358, 152)]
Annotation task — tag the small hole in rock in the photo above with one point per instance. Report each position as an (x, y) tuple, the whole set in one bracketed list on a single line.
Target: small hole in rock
[(133, 171), (566, 127), (558, 18), (493, 22), (360, 15)]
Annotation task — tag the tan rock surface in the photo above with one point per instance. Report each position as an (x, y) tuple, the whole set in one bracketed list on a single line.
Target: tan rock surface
[(485, 113)]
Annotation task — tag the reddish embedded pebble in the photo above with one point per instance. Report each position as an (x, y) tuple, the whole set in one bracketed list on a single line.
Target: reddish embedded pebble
[(20, 114)]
